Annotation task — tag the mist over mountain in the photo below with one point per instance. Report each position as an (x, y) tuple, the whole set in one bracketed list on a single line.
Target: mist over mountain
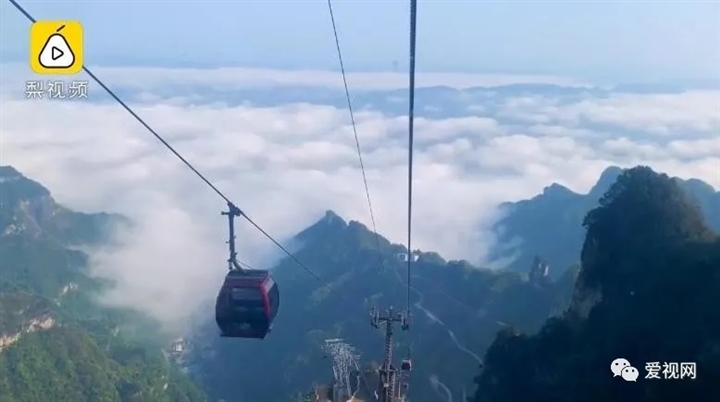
[(56, 341), (50, 310), (550, 224)]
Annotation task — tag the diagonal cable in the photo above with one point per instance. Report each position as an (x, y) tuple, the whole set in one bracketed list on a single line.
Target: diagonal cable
[(188, 164), (354, 127)]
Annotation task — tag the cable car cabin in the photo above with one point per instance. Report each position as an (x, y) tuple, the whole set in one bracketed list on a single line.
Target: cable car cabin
[(406, 365), (247, 304)]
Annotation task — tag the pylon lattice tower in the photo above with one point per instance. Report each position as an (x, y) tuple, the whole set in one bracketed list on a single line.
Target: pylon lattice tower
[(346, 368), (391, 386)]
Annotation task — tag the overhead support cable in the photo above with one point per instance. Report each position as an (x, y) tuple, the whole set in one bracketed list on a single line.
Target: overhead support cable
[(354, 126), (411, 136)]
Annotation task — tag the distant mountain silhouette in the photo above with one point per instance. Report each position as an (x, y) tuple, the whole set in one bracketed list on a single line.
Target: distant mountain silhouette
[(550, 224)]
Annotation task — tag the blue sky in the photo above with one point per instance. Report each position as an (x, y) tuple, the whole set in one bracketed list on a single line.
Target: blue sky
[(607, 41)]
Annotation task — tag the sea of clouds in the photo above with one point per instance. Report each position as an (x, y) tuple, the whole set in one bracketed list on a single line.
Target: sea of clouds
[(281, 146)]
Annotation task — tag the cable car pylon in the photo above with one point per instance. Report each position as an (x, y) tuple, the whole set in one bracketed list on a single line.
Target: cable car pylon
[(391, 386)]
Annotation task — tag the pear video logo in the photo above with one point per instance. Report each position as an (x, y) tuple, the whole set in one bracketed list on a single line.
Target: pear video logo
[(56, 53), (56, 47)]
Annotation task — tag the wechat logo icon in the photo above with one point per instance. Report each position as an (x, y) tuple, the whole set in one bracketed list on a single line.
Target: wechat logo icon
[(622, 368)]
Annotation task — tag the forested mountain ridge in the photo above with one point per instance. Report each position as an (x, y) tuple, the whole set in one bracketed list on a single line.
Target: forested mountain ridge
[(457, 309), (56, 343), (648, 291), (550, 224), (59, 345)]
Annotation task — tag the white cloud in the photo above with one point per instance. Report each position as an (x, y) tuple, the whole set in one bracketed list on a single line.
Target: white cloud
[(285, 165), (660, 114), (693, 110), (560, 131), (164, 267)]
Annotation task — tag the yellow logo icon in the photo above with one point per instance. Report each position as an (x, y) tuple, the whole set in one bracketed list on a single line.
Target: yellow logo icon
[(56, 47)]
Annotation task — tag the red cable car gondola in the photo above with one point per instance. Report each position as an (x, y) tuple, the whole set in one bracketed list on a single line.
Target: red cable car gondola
[(248, 300), (247, 304)]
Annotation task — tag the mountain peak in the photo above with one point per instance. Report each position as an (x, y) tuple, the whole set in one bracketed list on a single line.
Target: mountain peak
[(27, 207), (607, 178), (332, 229), (698, 186), (17, 188), (331, 218), (328, 225), (9, 172), (555, 190), (643, 211)]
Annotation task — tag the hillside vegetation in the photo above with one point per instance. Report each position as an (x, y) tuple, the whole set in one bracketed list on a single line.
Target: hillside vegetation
[(56, 344), (648, 291)]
